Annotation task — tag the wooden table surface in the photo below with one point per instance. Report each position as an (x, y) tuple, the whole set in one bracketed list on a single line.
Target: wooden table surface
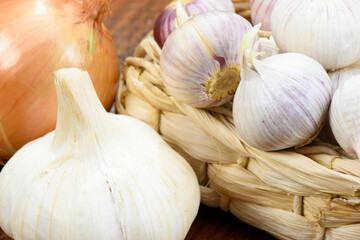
[(131, 20)]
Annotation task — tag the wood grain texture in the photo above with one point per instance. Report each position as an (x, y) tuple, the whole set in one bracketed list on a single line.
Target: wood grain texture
[(131, 20), (214, 224)]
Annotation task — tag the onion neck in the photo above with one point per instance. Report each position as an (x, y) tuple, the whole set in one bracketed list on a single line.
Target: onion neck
[(96, 10), (80, 112)]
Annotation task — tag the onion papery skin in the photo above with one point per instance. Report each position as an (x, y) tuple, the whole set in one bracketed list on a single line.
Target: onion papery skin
[(165, 22), (38, 37)]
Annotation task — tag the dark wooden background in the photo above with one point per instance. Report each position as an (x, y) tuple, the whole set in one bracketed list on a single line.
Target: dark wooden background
[(131, 20)]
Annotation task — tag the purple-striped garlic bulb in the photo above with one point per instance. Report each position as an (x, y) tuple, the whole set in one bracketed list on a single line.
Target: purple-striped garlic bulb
[(166, 22), (282, 100), (200, 62), (261, 13)]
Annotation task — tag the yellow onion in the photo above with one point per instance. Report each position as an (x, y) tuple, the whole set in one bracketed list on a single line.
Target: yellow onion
[(36, 38)]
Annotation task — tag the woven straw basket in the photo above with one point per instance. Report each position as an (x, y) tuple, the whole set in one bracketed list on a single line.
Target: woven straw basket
[(310, 192)]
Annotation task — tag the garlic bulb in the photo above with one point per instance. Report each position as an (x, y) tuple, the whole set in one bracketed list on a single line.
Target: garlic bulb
[(268, 47), (200, 60), (338, 77), (345, 115), (97, 176), (165, 23), (328, 31), (261, 12), (281, 101)]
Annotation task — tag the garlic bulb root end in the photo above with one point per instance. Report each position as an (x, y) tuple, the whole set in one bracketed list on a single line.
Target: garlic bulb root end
[(222, 83)]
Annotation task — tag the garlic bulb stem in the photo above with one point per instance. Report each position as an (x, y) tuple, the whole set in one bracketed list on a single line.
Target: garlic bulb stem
[(248, 49), (181, 15), (75, 114)]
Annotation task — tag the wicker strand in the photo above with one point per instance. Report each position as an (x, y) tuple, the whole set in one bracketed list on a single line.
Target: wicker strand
[(298, 202)]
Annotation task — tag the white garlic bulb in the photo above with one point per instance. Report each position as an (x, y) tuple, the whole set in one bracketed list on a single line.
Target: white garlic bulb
[(166, 21), (200, 60), (345, 115), (328, 31), (281, 101), (97, 176), (261, 12), (338, 77)]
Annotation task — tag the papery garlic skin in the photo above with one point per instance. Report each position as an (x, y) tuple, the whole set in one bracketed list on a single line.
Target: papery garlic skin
[(97, 176), (338, 77), (345, 116), (268, 47), (281, 101), (328, 31), (165, 22), (261, 12), (200, 60)]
